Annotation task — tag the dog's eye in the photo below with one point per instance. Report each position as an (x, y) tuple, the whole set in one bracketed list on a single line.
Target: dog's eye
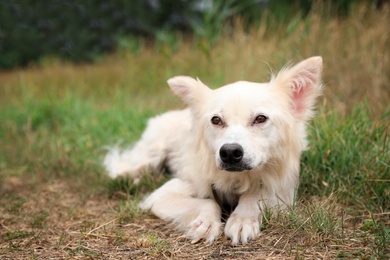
[(260, 119), (216, 121)]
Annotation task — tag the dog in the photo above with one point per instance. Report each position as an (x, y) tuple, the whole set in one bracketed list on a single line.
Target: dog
[(233, 152)]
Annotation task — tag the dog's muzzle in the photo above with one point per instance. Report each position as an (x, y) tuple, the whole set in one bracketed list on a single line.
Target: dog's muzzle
[(232, 156)]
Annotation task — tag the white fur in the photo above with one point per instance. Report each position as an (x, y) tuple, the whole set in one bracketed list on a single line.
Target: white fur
[(189, 145)]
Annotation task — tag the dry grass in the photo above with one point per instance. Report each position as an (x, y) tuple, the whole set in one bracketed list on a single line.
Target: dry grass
[(79, 226), (355, 52), (54, 198)]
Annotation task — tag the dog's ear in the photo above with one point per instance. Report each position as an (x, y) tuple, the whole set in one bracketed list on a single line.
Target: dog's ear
[(303, 84), (190, 90)]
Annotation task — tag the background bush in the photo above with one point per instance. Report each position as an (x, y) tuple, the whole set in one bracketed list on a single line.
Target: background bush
[(83, 30)]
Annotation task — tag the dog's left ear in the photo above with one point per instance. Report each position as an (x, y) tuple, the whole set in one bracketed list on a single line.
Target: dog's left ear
[(190, 90), (303, 84)]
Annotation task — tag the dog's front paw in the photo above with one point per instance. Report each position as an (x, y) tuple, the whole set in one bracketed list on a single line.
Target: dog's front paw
[(204, 227), (242, 228)]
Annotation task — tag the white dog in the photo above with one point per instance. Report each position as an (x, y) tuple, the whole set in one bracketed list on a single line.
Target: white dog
[(234, 151)]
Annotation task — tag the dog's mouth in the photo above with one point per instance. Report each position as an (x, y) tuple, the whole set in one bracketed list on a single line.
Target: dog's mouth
[(235, 167)]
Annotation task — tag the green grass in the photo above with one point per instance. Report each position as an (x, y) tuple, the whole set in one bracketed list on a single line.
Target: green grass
[(57, 121), (63, 136), (349, 154)]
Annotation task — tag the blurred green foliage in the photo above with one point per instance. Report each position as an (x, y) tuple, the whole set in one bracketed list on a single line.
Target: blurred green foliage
[(83, 30)]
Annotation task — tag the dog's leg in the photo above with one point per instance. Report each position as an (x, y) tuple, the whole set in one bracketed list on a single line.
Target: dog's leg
[(174, 201), (244, 223)]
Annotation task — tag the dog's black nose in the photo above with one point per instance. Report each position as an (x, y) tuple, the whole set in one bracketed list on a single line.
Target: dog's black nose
[(231, 153)]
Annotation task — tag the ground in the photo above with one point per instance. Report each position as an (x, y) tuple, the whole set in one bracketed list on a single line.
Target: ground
[(55, 220)]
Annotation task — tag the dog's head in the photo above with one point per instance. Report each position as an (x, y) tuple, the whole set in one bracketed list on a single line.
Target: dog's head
[(247, 124)]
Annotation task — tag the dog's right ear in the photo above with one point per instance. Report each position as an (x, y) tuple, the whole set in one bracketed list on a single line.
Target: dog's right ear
[(190, 90)]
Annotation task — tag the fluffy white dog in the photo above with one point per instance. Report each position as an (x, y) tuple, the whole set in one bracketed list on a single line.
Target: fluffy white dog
[(234, 151)]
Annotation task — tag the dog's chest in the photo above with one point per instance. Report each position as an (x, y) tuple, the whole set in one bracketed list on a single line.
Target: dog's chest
[(226, 201)]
